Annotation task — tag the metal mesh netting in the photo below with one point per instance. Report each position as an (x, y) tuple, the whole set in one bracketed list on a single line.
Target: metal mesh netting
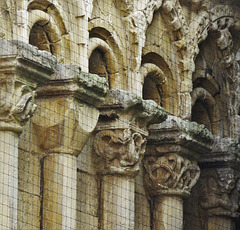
[(119, 115)]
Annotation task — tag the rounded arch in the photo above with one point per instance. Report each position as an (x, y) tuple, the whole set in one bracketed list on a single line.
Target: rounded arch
[(98, 47), (158, 83), (49, 30), (97, 43), (152, 79), (54, 9), (99, 28), (205, 110), (104, 40), (212, 74)]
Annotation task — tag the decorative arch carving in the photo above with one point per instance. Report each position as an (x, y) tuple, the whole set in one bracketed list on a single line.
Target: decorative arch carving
[(55, 10)]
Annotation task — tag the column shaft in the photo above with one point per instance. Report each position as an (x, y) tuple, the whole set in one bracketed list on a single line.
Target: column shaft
[(117, 202), (168, 213), (220, 223), (8, 179), (59, 191)]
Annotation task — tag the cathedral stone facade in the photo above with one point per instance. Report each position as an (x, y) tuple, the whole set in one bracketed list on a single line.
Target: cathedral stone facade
[(120, 114)]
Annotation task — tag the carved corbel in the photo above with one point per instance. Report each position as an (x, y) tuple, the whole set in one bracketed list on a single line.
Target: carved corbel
[(120, 139), (170, 162)]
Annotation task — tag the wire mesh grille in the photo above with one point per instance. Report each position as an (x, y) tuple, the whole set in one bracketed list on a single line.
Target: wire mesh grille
[(119, 114)]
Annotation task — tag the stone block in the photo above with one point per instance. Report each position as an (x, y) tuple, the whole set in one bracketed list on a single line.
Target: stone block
[(28, 211), (29, 172), (142, 213), (139, 182), (87, 196), (85, 221), (87, 160)]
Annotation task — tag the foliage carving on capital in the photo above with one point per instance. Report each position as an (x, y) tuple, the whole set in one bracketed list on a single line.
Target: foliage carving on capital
[(221, 193), (170, 174), (120, 151), (16, 101)]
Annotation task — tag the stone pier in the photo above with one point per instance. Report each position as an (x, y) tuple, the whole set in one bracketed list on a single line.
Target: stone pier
[(220, 183), (171, 168), (120, 143), (66, 117), (21, 69)]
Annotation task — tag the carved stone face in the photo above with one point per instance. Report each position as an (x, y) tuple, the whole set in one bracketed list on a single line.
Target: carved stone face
[(226, 182), (120, 150)]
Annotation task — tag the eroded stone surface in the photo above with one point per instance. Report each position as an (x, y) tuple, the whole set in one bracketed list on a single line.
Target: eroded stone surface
[(120, 141)]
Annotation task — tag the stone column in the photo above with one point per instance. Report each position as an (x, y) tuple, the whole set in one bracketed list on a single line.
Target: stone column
[(171, 168), (220, 182), (21, 69), (120, 143), (66, 117)]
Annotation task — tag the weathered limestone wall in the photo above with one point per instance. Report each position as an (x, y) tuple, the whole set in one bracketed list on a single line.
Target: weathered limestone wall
[(78, 160), (143, 203), (88, 190)]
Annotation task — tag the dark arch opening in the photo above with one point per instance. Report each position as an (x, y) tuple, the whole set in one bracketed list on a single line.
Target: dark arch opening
[(97, 64), (39, 37), (152, 91), (201, 115), (44, 37)]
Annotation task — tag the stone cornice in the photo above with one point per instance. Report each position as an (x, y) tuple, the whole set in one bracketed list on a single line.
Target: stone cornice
[(225, 153), (70, 80), (183, 137), (29, 63), (123, 109)]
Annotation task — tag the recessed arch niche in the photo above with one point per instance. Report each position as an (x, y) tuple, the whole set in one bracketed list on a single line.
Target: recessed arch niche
[(158, 82), (205, 110), (48, 30), (102, 61), (43, 36)]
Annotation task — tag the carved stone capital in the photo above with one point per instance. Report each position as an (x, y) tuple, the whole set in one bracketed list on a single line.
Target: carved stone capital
[(22, 68), (67, 112), (120, 151), (170, 174), (121, 131), (172, 150), (220, 192)]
